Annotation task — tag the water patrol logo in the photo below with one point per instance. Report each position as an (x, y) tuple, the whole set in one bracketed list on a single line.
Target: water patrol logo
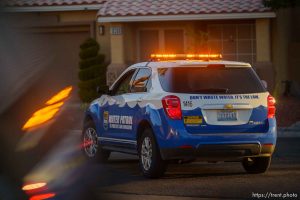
[(105, 120), (120, 122)]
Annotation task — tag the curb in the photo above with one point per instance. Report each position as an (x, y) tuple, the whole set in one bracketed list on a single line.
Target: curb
[(287, 132), (291, 131)]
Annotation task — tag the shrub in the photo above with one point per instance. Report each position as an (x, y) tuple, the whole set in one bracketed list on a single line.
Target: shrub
[(92, 71), (91, 61)]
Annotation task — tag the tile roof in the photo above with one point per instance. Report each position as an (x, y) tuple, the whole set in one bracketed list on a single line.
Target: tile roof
[(174, 7), (24, 3)]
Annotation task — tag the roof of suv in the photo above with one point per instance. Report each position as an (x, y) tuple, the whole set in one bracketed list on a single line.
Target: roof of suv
[(177, 63)]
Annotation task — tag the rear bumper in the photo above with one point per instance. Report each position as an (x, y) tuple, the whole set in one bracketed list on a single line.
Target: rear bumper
[(217, 152), (177, 143)]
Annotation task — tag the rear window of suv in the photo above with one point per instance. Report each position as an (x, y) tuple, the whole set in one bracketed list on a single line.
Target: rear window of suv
[(210, 80)]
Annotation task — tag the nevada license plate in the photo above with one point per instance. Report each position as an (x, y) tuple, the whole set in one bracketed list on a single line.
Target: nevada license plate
[(227, 115)]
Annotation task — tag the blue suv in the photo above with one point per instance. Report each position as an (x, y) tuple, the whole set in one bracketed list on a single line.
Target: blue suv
[(172, 109)]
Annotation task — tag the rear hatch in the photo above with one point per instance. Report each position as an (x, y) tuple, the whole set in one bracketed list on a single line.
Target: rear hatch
[(217, 98)]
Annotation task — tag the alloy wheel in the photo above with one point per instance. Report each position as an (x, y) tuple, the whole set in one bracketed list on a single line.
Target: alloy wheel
[(90, 142), (146, 153)]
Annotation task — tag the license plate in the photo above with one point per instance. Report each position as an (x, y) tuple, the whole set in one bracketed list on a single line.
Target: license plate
[(192, 120), (226, 115)]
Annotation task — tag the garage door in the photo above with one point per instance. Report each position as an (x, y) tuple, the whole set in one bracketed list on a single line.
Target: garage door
[(62, 47)]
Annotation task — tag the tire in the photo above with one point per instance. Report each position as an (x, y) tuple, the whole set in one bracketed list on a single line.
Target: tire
[(256, 165), (90, 144), (150, 161)]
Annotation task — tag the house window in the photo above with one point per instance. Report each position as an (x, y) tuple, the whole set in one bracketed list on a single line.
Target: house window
[(160, 41), (174, 42), (148, 43), (234, 41)]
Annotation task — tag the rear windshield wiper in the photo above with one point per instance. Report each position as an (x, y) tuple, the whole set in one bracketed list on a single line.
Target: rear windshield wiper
[(212, 90)]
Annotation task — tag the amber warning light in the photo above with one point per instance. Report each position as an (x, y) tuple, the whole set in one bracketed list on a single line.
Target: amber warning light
[(186, 56)]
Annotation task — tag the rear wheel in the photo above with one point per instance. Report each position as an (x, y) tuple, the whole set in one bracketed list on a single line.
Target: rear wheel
[(256, 165), (150, 161), (91, 147)]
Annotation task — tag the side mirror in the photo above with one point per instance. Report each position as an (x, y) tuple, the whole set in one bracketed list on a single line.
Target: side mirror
[(102, 90), (265, 84), (139, 88)]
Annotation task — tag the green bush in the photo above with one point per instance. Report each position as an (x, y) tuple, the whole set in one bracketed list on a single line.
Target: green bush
[(91, 61), (87, 95), (90, 84), (89, 52), (277, 4), (89, 43), (92, 71)]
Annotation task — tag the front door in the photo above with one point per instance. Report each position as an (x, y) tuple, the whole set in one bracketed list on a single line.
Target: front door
[(117, 115)]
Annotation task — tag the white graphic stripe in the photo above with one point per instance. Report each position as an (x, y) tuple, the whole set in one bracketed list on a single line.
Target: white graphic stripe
[(117, 140), (197, 100)]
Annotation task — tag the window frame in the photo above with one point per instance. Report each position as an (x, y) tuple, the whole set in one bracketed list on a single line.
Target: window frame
[(120, 80), (238, 54), (146, 84), (161, 38)]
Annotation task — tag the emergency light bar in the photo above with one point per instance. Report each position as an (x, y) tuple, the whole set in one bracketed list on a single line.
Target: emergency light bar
[(186, 56)]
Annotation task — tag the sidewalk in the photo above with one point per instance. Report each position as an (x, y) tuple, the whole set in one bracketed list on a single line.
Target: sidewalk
[(291, 131), (288, 111)]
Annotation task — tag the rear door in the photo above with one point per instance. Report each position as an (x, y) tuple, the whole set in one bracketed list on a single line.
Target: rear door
[(218, 99)]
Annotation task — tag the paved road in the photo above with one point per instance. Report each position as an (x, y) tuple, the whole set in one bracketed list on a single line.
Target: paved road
[(120, 177), (57, 160), (222, 180)]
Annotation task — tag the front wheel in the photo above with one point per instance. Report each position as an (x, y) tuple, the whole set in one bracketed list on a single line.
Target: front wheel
[(150, 161), (256, 165), (90, 145)]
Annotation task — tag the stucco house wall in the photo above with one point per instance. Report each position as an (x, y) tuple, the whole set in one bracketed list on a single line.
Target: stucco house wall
[(274, 43), (124, 49)]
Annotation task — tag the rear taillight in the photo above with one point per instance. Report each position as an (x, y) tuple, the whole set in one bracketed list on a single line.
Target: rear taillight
[(271, 107), (172, 106)]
